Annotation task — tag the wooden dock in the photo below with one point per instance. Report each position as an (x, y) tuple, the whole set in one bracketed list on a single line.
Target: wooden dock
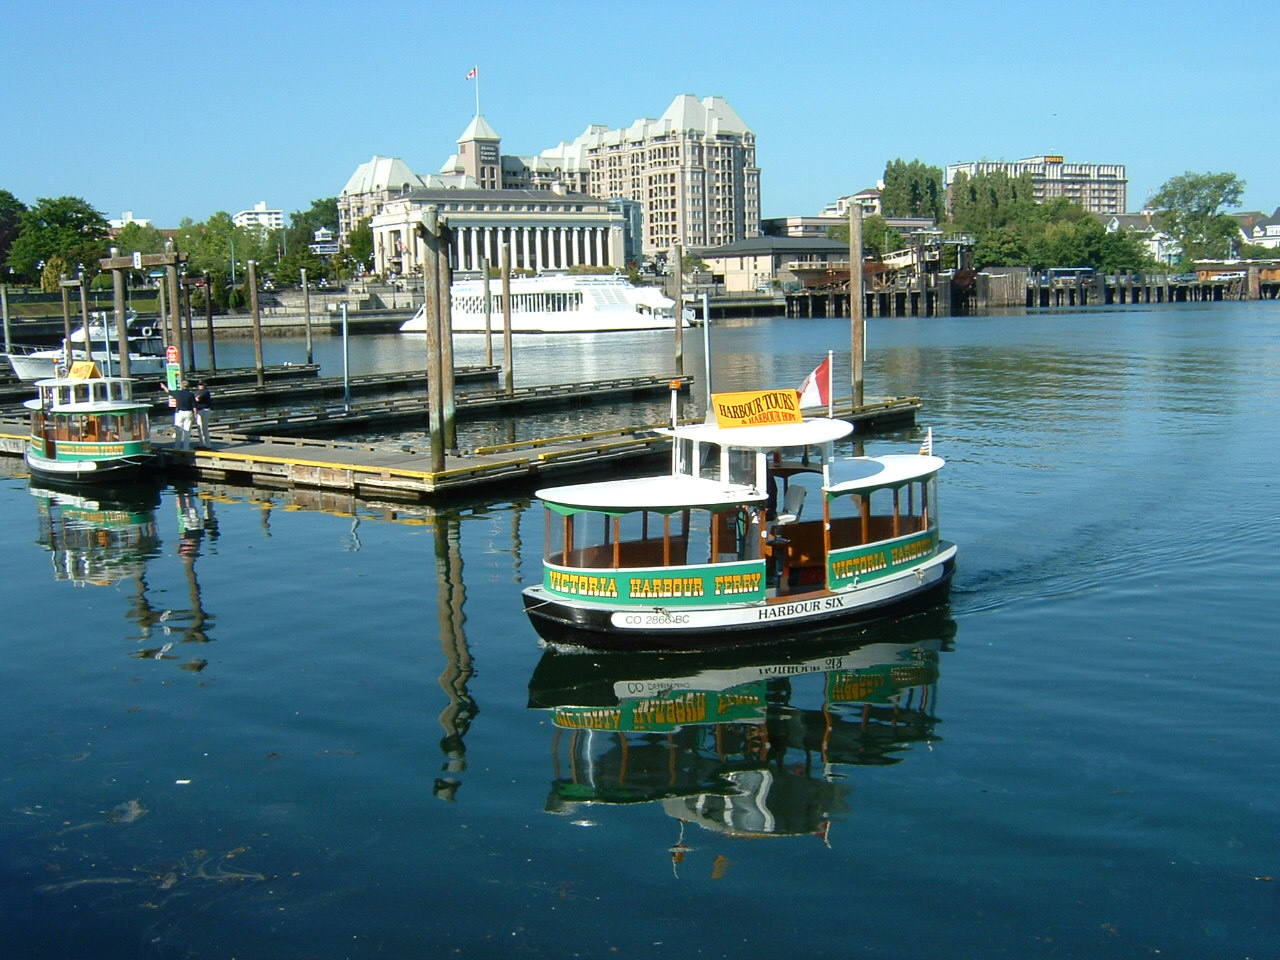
[(404, 474), (352, 418), (278, 377)]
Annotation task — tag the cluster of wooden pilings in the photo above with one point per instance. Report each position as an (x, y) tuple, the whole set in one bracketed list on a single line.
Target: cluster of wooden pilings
[(1112, 289), (934, 295)]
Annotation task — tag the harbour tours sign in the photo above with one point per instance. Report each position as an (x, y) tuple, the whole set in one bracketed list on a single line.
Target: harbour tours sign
[(755, 408)]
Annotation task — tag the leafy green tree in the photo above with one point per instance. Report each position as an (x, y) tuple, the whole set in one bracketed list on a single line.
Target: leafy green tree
[(11, 211), (303, 224), (63, 226), (989, 200), (288, 272), (912, 189), (1191, 211), (359, 248), (878, 238), (1000, 247), (142, 238)]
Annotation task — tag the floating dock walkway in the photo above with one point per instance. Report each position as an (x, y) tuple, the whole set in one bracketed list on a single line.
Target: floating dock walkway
[(385, 472)]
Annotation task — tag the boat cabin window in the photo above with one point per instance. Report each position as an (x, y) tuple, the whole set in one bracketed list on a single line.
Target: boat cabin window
[(649, 539), (741, 466), (884, 513)]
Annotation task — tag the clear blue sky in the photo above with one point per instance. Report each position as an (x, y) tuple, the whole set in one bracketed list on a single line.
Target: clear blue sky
[(182, 109)]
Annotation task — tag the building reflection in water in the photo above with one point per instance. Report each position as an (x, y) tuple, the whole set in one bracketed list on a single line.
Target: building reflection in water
[(750, 744)]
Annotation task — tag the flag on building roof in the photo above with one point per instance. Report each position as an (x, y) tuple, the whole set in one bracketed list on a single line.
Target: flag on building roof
[(473, 73)]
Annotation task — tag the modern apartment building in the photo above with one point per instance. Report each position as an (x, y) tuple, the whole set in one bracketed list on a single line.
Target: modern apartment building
[(260, 217), (1098, 187)]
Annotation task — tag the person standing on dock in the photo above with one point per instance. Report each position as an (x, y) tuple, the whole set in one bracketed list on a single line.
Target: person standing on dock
[(204, 406), (184, 415)]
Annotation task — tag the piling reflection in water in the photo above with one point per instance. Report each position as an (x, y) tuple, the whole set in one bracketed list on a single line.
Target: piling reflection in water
[(196, 524), (749, 744), (460, 708)]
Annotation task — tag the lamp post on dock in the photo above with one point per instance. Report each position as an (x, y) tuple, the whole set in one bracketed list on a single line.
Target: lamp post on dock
[(251, 278), (679, 298)]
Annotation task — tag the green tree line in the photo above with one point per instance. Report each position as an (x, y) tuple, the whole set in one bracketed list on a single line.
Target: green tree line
[(66, 236), (1009, 228)]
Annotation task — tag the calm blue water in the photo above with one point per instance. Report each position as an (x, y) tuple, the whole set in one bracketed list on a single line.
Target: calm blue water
[(262, 724)]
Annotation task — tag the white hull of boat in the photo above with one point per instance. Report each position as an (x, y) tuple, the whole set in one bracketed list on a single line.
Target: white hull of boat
[(561, 621), (44, 365), (87, 471), (556, 304)]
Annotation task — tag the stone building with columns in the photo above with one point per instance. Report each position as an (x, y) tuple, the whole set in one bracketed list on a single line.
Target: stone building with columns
[(543, 230), (687, 177)]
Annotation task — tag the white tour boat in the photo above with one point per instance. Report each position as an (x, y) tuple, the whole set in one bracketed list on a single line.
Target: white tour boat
[(100, 344), (720, 550), (86, 428), (556, 303)]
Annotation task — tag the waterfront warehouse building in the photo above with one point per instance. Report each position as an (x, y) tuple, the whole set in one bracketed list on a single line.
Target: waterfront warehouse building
[(1100, 188)]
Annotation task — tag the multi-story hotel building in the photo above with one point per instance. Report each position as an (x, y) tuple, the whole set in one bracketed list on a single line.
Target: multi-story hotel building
[(1098, 187), (693, 171), (690, 175)]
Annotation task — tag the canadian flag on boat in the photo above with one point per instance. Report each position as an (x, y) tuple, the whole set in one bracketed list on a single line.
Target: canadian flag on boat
[(816, 389)]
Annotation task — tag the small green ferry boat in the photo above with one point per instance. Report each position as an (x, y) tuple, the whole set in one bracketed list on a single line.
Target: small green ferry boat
[(87, 428), (720, 551)]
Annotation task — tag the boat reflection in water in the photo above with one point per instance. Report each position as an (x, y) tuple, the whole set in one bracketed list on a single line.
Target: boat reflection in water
[(751, 745), (101, 538), (109, 536)]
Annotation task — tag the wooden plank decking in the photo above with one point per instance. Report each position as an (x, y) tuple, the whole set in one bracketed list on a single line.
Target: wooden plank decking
[(397, 473)]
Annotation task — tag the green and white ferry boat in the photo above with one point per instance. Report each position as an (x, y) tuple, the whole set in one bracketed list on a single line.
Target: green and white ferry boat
[(758, 530), (87, 428)]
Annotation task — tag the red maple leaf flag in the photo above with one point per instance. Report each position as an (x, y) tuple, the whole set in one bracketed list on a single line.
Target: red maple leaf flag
[(816, 389), (473, 73)]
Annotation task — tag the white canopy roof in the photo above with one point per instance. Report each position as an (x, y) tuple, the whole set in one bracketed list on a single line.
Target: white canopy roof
[(665, 494), (815, 430), (869, 473)]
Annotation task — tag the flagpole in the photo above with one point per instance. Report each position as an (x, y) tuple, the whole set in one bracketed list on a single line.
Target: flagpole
[(831, 397), (477, 78)]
